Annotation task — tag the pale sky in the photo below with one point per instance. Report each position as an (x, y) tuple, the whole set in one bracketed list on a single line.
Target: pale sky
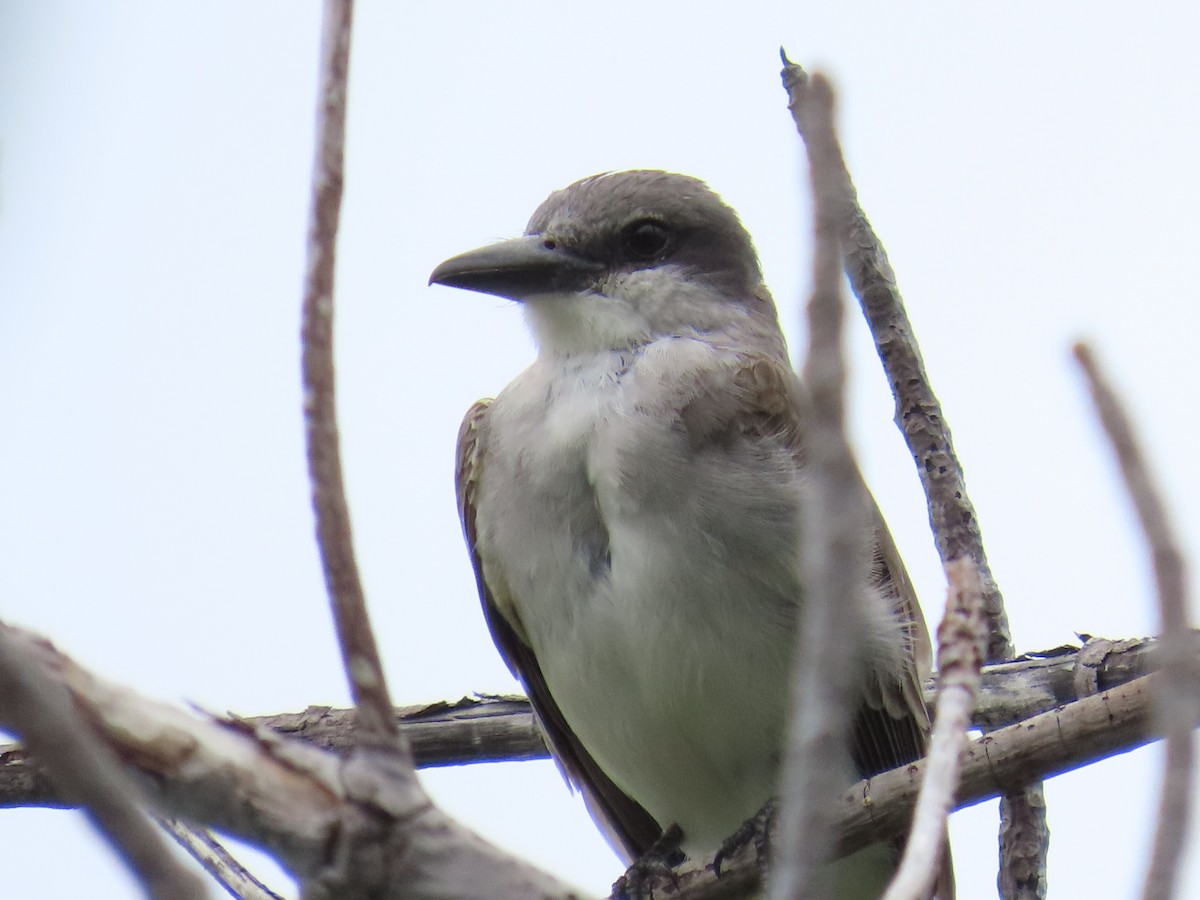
[(1031, 168)]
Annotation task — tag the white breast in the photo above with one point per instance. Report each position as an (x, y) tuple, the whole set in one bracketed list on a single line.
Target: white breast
[(624, 553)]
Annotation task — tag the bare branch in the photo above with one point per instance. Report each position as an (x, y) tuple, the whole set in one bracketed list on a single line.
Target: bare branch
[(495, 729), (237, 880), (1002, 761), (469, 730), (293, 800), (823, 678), (337, 827), (918, 412), (41, 712), (359, 652), (962, 641), (1048, 744), (1178, 699), (951, 515)]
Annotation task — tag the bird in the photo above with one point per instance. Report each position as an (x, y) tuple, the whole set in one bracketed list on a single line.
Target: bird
[(631, 504)]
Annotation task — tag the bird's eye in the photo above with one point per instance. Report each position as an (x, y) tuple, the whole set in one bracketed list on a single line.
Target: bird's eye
[(647, 239)]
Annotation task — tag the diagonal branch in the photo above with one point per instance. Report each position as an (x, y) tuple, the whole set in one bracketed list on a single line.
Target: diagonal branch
[(918, 413), (1000, 762), (1024, 836), (293, 801), (218, 862), (40, 710)]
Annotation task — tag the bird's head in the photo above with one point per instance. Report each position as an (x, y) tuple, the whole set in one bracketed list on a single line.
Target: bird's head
[(621, 259)]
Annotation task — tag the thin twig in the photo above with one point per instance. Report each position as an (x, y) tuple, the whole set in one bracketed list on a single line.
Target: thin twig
[(360, 654), (962, 641), (1024, 835), (237, 880), (823, 680), (40, 710), (1179, 685)]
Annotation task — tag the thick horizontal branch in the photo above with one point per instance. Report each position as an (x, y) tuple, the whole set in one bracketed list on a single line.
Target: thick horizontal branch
[(1094, 728), (470, 730), (494, 729), (481, 728)]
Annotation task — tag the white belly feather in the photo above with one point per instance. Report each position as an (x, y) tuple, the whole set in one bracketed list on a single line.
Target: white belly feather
[(665, 655)]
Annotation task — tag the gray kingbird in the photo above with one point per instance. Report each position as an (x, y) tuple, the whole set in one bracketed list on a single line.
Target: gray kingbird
[(631, 504)]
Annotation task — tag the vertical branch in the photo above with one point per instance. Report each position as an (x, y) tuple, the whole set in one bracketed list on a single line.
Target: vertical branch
[(1024, 836), (41, 711), (962, 641), (1178, 697), (359, 652), (833, 551), (1024, 843)]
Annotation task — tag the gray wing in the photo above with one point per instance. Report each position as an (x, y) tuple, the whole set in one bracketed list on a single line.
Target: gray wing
[(891, 726), (893, 578), (628, 826), (762, 396)]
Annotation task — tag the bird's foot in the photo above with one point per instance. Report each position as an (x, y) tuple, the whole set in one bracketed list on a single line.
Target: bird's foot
[(653, 870), (757, 831)]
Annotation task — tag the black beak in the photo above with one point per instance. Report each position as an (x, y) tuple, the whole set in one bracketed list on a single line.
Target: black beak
[(518, 269)]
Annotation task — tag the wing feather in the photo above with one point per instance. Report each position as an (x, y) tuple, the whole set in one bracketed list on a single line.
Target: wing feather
[(891, 726)]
